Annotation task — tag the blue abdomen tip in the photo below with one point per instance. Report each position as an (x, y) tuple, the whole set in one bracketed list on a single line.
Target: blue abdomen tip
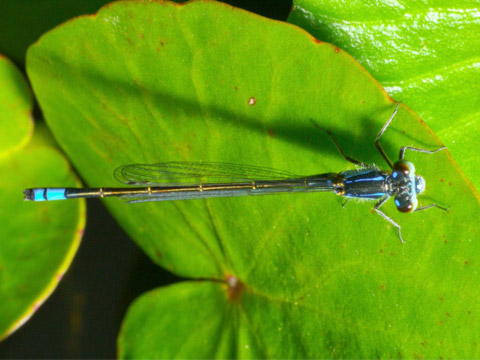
[(44, 194), (55, 194)]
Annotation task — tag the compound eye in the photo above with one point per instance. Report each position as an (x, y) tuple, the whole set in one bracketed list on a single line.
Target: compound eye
[(419, 184), (406, 204), (404, 167)]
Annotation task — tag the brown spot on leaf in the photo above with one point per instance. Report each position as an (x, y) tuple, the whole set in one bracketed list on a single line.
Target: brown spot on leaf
[(130, 41), (271, 132), (235, 287)]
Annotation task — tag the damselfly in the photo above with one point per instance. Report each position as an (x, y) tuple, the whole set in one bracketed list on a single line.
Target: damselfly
[(201, 180)]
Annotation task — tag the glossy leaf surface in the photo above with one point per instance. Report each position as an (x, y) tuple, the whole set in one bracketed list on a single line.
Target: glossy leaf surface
[(144, 82), (37, 241), (425, 54)]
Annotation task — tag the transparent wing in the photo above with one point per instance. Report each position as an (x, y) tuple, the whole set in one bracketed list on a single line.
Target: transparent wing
[(182, 173)]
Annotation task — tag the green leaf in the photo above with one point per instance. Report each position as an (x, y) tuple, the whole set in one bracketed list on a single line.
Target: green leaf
[(16, 123), (425, 54), (202, 306), (146, 82), (37, 241)]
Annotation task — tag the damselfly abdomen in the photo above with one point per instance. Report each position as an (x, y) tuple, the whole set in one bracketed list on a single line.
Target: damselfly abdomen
[(201, 180)]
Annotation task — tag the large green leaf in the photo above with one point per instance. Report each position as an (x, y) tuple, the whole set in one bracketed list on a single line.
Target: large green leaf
[(291, 275), (37, 242), (15, 109), (425, 53)]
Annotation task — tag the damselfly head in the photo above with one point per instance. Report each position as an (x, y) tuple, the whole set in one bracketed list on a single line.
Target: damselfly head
[(408, 186)]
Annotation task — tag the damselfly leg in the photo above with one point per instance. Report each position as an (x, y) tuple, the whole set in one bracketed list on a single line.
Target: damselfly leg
[(380, 134), (403, 177), (345, 156), (403, 148), (180, 180), (386, 217), (401, 157)]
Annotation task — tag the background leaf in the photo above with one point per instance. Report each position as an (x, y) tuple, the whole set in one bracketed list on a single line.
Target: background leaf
[(15, 109), (425, 54), (148, 82), (37, 243), (23, 21)]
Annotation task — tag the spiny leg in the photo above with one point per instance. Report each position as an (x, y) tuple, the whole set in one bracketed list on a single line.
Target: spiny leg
[(390, 220), (346, 157), (403, 148), (377, 139), (431, 206)]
